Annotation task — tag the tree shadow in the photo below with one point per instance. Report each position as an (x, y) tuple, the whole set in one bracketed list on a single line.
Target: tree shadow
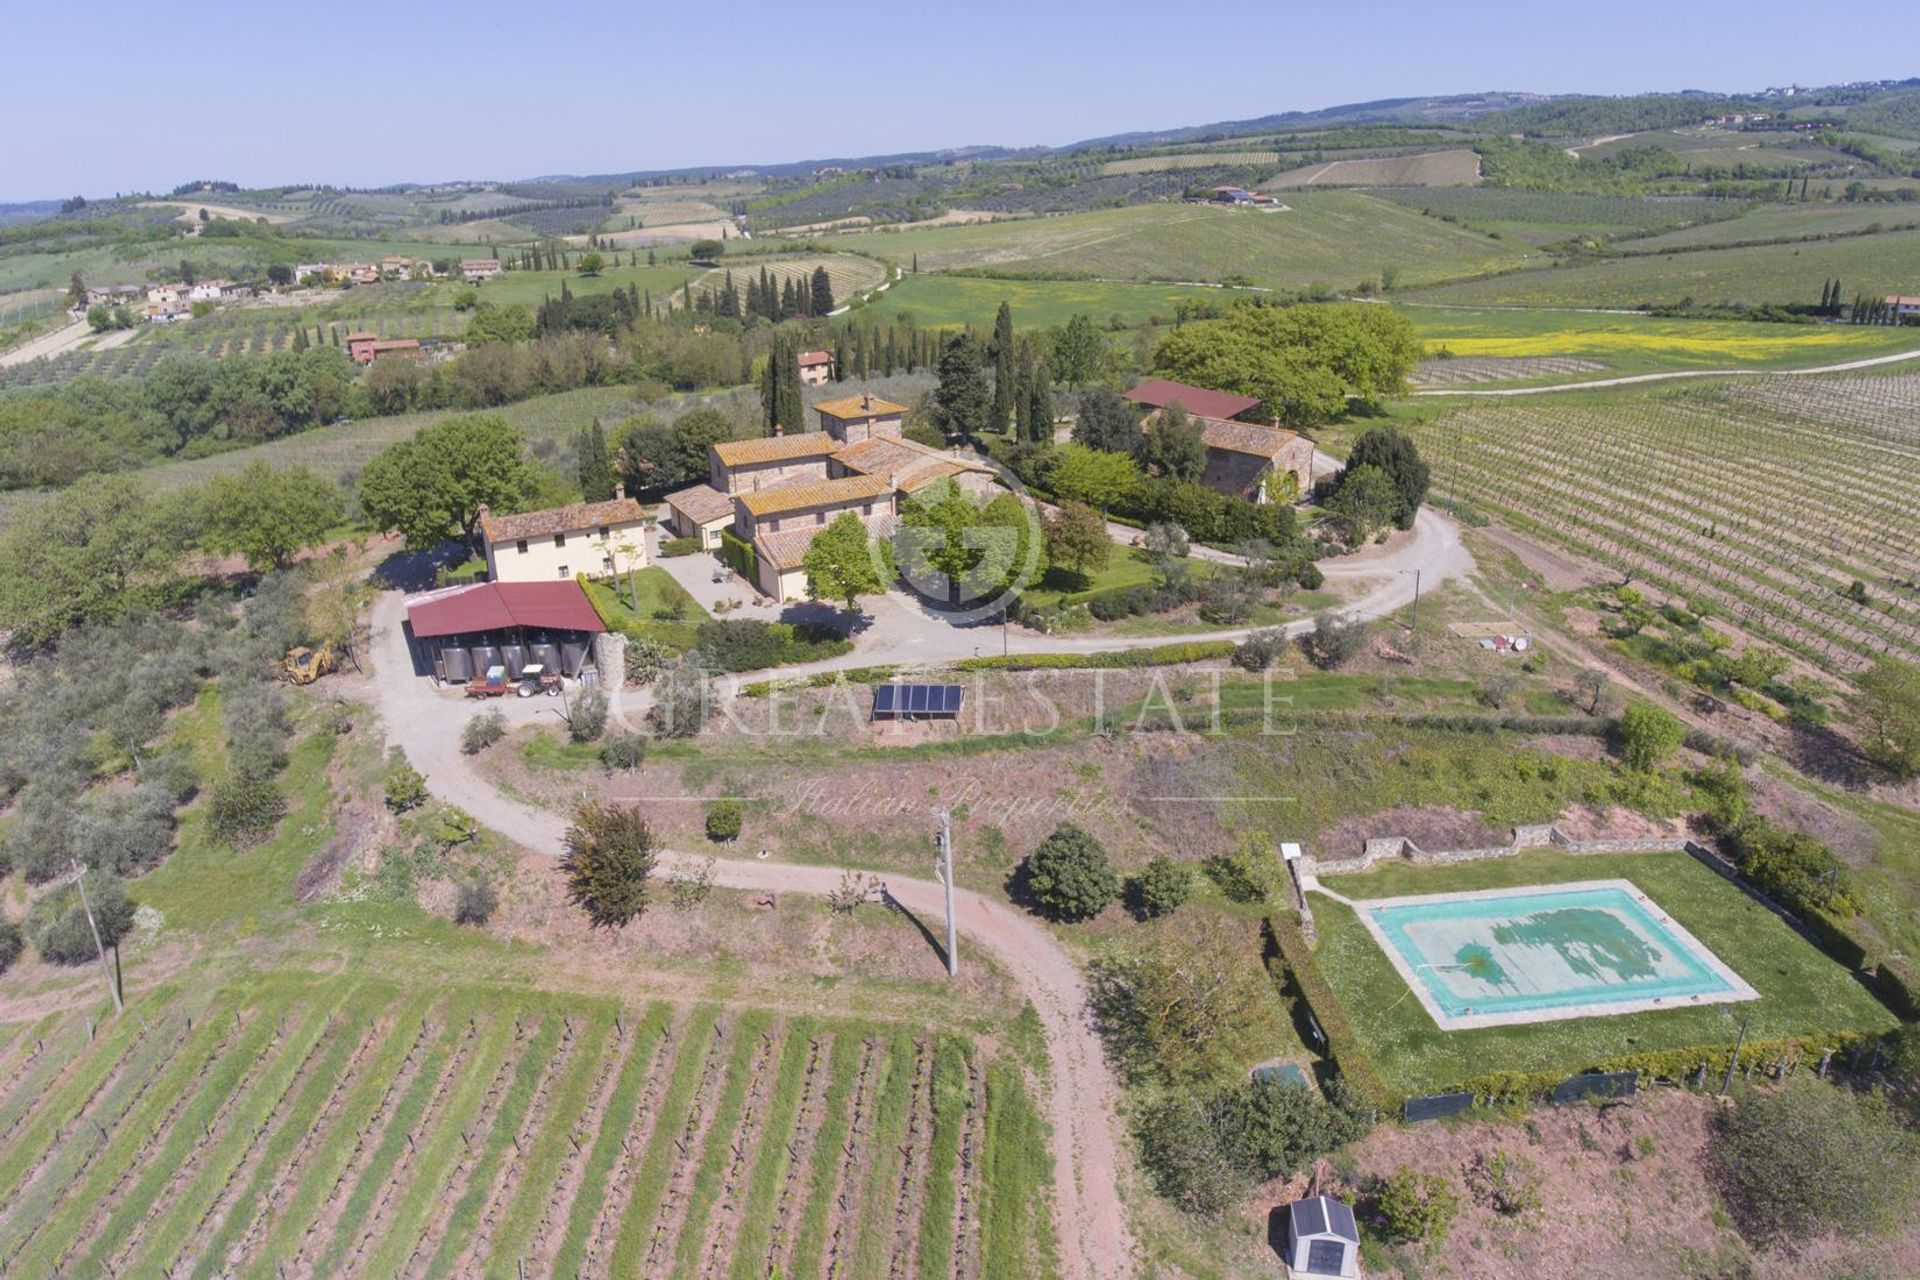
[(411, 571), (1825, 756)]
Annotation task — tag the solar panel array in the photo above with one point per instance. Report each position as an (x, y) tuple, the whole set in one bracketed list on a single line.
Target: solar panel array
[(908, 701)]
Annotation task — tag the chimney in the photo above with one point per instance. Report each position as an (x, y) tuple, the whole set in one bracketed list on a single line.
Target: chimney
[(620, 491), (866, 401), (779, 430)]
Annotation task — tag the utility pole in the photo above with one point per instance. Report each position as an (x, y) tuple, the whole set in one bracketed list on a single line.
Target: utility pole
[(80, 880), (1414, 620), (944, 869), (1733, 1064)]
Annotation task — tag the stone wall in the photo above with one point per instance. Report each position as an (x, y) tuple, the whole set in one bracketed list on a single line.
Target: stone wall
[(1537, 836)]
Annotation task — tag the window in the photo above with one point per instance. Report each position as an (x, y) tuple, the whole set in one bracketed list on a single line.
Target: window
[(521, 546), (559, 539), (819, 517), (563, 572), (603, 533), (606, 564)]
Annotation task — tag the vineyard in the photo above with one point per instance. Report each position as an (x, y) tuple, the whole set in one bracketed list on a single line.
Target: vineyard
[(1191, 160), (1542, 217), (1762, 503), (304, 1127)]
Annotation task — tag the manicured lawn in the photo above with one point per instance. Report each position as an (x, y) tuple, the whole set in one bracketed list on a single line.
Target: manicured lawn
[(1125, 568), (937, 301), (1802, 992), (650, 586)]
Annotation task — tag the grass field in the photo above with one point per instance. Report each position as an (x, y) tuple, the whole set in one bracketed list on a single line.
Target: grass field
[(1458, 167), (1761, 501), (850, 273), (530, 288), (330, 1126), (1330, 237), (1754, 275), (962, 300), (1777, 221), (1802, 992), (1629, 344), (1543, 217)]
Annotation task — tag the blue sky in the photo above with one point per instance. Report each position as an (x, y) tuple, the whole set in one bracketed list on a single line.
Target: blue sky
[(113, 95)]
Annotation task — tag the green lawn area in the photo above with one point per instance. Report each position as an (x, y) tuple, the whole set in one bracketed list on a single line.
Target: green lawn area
[(651, 585), (935, 301), (1336, 238), (531, 288), (1783, 273), (1802, 992), (1129, 567), (1629, 344)]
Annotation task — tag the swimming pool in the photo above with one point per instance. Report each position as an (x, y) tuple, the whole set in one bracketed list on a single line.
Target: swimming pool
[(1496, 957)]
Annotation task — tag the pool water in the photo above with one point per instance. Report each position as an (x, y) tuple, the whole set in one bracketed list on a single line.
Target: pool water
[(1534, 954)]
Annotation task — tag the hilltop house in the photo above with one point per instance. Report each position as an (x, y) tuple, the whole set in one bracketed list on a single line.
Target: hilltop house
[(474, 270), (1903, 308), (774, 494), (599, 539), (816, 367), (1244, 459)]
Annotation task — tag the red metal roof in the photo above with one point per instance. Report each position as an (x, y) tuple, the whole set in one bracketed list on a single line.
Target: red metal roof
[(1159, 393), (496, 606)]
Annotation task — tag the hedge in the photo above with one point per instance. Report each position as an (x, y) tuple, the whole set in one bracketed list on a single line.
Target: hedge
[(1680, 1065), (739, 555), (678, 547), (1288, 946), (820, 680), (1165, 655), (1899, 985)]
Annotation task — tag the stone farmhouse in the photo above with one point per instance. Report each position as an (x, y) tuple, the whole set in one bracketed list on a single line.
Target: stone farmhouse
[(1244, 459), (598, 539), (364, 348), (776, 493), (475, 270), (816, 368)]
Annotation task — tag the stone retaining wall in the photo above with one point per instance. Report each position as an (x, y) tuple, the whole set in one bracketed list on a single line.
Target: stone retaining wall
[(1543, 835)]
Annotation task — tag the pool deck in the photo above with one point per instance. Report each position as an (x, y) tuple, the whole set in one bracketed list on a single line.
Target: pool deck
[(1739, 988)]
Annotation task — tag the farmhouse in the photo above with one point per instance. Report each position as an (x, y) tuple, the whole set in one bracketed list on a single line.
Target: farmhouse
[(775, 493), (1244, 459), (1903, 308), (598, 539), (816, 367), (307, 270), (365, 348), (475, 270)]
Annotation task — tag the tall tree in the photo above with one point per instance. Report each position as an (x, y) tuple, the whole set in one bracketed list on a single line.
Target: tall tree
[(610, 857), (961, 400), (1077, 350), (596, 465), (1172, 445), (1040, 403), (268, 516), (431, 486), (823, 302), (1001, 348), (1077, 539), (1391, 450)]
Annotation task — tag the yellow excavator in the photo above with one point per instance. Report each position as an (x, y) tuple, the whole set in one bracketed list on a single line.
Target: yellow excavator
[(304, 665)]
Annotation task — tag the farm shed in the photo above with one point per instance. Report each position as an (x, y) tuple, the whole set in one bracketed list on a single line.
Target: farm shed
[(1322, 1239), (917, 701), (1158, 393), (461, 631)]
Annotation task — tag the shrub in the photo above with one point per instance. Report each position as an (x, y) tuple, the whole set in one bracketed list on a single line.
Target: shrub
[(646, 658), (243, 809), (11, 944), (1508, 1184), (1069, 877), (1335, 641), (481, 732), (1809, 1157), (589, 718), (1205, 1149), (671, 547), (57, 922), (1294, 958), (1648, 736), (724, 819), (1261, 649), (476, 902), (1162, 887), (624, 751), (1309, 576), (1246, 875), (1165, 655), (609, 859), (405, 788), (1415, 1206), (1795, 870)]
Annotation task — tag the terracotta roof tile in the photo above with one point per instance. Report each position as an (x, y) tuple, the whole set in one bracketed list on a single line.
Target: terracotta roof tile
[(1198, 401), (852, 408), (808, 444), (581, 515), (818, 493), (702, 504)]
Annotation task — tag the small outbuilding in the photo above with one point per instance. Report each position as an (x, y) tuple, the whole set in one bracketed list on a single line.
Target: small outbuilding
[(459, 632), (1322, 1238)]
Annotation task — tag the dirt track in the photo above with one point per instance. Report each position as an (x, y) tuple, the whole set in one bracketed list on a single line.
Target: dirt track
[(1084, 1103)]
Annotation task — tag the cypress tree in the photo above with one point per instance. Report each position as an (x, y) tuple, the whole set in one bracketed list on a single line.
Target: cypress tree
[(822, 292), (770, 387), (596, 466), (686, 294), (840, 355), (793, 409), (1002, 350), (1040, 403)]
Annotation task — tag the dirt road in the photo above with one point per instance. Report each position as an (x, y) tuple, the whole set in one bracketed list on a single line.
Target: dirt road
[(48, 345), (1084, 1102)]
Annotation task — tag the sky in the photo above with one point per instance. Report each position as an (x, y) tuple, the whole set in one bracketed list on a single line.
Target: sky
[(112, 96)]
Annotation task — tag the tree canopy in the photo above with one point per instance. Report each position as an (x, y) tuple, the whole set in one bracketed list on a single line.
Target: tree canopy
[(1302, 362), (839, 563), (609, 859), (268, 516), (1069, 876), (1394, 452), (430, 488), (1887, 706)]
